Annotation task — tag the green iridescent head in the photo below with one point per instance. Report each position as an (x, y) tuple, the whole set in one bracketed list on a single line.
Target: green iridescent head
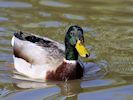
[(74, 41)]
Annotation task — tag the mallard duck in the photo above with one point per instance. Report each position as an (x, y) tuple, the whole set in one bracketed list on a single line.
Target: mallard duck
[(42, 58)]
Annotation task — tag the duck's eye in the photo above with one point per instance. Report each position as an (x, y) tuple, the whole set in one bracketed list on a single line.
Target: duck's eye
[(72, 33)]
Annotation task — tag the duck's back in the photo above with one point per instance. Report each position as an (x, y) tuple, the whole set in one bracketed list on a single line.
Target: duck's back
[(34, 51)]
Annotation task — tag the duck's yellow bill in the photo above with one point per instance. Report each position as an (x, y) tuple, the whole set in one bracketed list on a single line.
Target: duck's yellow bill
[(81, 49)]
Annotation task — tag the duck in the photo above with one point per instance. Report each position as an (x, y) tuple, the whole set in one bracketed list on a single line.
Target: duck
[(39, 57)]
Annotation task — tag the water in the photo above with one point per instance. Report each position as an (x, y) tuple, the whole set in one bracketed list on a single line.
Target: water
[(108, 35)]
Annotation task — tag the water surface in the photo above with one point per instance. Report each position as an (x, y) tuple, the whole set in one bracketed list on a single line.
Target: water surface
[(108, 35)]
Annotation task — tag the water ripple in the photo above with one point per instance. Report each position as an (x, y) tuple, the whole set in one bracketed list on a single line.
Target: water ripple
[(8, 4), (31, 25), (3, 19), (54, 4), (4, 92), (71, 16), (51, 24), (3, 57), (44, 14), (96, 83), (119, 93), (34, 94), (2, 29), (45, 24)]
